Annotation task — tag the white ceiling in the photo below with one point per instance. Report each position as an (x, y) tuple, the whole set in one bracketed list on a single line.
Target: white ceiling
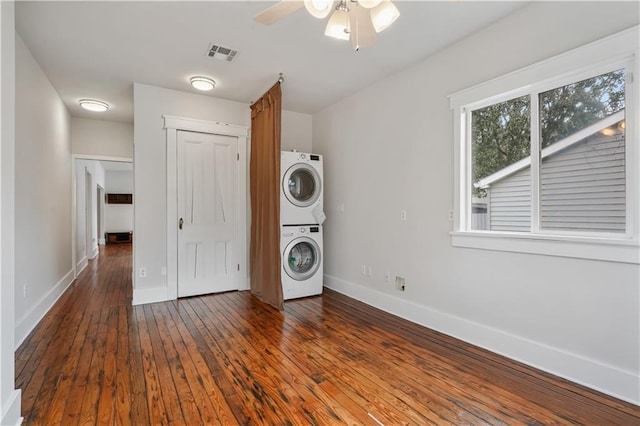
[(92, 49)]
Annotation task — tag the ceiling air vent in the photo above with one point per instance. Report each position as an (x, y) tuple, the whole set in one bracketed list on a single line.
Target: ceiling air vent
[(221, 53)]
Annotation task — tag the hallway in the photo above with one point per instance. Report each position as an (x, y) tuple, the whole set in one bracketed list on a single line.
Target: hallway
[(83, 343), (229, 359)]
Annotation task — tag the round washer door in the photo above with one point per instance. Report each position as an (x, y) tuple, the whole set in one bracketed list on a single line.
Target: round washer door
[(301, 258), (301, 185)]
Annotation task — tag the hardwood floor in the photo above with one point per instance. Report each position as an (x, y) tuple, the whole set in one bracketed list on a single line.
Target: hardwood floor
[(229, 359)]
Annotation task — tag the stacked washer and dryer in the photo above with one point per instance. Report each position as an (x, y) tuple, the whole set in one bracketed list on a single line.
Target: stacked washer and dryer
[(301, 218)]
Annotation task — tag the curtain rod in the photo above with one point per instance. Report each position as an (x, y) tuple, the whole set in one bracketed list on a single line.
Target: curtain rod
[(279, 80)]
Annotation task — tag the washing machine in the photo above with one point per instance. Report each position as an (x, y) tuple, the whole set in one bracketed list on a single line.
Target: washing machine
[(301, 260), (301, 189)]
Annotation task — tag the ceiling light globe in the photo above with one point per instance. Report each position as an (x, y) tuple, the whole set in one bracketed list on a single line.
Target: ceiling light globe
[(338, 25), (383, 15), (202, 83), (369, 4), (318, 8), (94, 105)]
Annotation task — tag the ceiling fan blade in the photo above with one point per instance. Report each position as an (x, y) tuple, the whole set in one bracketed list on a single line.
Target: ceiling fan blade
[(362, 32), (278, 11)]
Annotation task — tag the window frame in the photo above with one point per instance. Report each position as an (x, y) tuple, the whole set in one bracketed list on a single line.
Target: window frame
[(615, 52)]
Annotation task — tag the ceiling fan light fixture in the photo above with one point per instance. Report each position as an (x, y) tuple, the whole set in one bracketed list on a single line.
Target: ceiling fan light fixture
[(338, 25), (383, 15), (318, 8), (202, 83), (369, 4), (94, 105)]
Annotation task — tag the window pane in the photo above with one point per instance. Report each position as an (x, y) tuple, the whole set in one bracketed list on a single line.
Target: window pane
[(570, 108), (582, 175), (500, 148)]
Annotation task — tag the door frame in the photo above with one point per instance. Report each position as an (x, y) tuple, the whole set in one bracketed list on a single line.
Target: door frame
[(74, 200), (88, 214), (100, 212), (172, 125)]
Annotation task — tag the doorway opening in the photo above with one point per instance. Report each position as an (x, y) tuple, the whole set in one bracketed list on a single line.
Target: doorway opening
[(96, 180)]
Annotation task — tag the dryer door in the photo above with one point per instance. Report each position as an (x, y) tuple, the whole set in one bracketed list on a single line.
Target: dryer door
[(301, 258), (301, 185)]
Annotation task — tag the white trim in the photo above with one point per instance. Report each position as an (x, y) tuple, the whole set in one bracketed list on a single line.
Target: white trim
[(143, 296), (243, 211), (213, 127), (618, 51), (605, 378), (535, 158), (172, 214), (95, 252), (610, 250), (172, 124), (10, 409), (31, 318), (74, 200), (81, 265), (102, 158)]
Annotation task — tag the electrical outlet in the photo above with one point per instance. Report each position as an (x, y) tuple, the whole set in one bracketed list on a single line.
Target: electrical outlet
[(363, 269), (24, 291), (369, 271), (387, 277), (403, 215), (450, 216), (143, 273), (340, 208), (399, 283)]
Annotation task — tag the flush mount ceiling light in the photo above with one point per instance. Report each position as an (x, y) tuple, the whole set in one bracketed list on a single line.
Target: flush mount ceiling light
[(355, 20), (94, 105), (202, 83)]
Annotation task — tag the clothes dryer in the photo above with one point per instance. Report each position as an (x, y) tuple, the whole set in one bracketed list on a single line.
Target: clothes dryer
[(302, 272), (301, 189)]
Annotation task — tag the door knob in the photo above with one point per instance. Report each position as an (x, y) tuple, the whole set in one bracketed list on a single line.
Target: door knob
[(180, 222)]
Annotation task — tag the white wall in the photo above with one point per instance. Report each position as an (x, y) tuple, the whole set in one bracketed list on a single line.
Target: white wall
[(9, 397), (97, 178), (118, 217), (99, 138), (296, 131), (390, 148), (43, 256), (150, 175)]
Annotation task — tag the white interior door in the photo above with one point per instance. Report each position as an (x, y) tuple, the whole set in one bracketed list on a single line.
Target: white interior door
[(207, 188)]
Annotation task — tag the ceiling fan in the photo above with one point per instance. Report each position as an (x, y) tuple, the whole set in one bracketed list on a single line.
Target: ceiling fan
[(355, 20)]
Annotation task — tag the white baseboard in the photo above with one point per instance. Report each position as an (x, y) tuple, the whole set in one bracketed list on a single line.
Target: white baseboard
[(608, 379), (143, 296), (29, 320), (94, 253), (10, 411), (82, 263)]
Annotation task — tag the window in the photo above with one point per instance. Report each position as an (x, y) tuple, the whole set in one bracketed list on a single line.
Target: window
[(547, 158), (500, 143)]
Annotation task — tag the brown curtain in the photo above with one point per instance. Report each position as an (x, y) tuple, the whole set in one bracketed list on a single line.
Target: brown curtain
[(264, 181)]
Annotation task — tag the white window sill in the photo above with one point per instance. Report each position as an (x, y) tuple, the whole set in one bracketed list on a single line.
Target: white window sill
[(610, 250)]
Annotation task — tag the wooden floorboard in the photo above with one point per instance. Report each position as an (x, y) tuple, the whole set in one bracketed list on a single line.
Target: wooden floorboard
[(228, 359)]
